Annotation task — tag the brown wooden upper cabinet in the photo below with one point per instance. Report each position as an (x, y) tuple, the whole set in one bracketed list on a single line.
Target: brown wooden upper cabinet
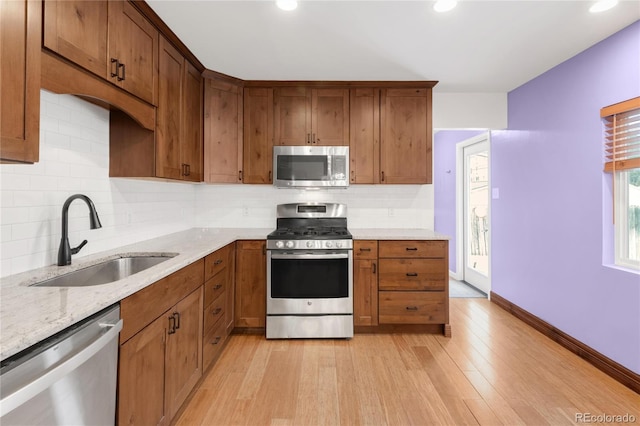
[(311, 116), (222, 132), (258, 135), (179, 117), (364, 137), (21, 27), (405, 136), (112, 39)]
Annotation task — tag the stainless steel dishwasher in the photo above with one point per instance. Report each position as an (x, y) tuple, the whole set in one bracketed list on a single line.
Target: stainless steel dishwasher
[(68, 379)]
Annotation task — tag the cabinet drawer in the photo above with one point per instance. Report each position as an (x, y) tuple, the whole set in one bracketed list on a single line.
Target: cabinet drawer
[(412, 274), (213, 313), (412, 307), (365, 249), (146, 305), (215, 286), (216, 262), (436, 249), (212, 344)]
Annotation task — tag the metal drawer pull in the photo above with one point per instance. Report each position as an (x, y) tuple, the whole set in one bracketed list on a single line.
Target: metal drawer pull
[(217, 287), (117, 63), (412, 274), (412, 308), (177, 317), (365, 249), (412, 249), (217, 311), (172, 324), (216, 340), (373, 266), (217, 262)]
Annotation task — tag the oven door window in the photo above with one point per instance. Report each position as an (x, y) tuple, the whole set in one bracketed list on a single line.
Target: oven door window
[(302, 167), (293, 278)]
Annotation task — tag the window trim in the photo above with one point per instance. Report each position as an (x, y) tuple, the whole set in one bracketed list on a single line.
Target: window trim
[(621, 219)]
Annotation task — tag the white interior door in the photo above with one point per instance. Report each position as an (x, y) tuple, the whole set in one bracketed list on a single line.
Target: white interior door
[(476, 209)]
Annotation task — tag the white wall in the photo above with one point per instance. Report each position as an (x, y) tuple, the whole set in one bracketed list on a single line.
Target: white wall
[(368, 206), (469, 110), (74, 158)]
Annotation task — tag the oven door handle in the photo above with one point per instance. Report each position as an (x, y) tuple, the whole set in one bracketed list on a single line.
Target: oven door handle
[(311, 256)]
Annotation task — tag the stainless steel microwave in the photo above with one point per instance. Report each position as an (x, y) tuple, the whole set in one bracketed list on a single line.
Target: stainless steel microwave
[(311, 166)]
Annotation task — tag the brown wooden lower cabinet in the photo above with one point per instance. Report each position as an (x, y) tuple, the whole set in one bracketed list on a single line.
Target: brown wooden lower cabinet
[(161, 360), (412, 307), (365, 283), (251, 283)]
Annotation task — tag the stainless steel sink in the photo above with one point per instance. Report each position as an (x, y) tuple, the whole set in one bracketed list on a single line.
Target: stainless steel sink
[(105, 272)]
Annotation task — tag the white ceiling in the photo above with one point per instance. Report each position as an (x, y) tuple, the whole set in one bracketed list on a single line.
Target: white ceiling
[(480, 46)]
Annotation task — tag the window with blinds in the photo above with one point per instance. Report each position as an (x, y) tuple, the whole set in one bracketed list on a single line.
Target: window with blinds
[(622, 135)]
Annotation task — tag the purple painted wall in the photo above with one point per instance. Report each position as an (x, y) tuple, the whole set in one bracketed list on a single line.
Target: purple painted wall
[(552, 221), (444, 184)]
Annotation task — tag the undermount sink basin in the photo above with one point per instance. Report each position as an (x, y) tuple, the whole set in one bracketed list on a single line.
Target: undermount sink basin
[(105, 272)]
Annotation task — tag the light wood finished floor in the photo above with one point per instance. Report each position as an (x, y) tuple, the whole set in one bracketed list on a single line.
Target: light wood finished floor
[(494, 370)]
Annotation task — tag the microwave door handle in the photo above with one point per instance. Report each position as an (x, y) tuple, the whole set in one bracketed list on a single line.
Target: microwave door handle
[(311, 256)]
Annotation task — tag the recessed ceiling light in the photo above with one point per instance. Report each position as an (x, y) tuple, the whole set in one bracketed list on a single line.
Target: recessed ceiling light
[(444, 5), (602, 5), (287, 4)]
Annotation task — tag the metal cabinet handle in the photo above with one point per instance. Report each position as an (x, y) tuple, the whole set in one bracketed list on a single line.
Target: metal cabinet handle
[(216, 311), (412, 249), (188, 170), (172, 324), (240, 175), (117, 63), (217, 262), (365, 249), (313, 138), (217, 287), (412, 274), (353, 175), (308, 137), (216, 340), (411, 308), (373, 266), (121, 67), (177, 317), (382, 176), (270, 179)]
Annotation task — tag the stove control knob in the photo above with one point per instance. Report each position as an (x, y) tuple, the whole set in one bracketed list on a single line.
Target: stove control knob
[(329, 244), (279, 244), (338, 244), (309, 244), (289, 244)]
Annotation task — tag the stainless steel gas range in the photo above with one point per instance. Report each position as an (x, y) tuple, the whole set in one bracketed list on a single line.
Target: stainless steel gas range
[(310, 273)]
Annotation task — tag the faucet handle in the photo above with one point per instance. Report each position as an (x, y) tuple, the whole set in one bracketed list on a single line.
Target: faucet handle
[(77, 249)]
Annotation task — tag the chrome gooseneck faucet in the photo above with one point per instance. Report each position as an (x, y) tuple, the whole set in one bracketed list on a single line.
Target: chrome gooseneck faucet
[(65, 251)]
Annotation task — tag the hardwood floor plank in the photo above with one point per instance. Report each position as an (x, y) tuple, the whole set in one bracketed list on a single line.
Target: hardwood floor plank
[(494, 370)]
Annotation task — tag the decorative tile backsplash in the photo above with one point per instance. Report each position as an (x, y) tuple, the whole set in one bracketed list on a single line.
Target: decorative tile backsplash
[(74, 158)]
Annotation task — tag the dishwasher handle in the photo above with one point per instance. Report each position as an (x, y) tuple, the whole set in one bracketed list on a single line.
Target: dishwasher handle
[(30, 390)]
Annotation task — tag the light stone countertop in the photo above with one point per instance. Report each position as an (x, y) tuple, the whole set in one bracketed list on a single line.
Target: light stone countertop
[(395, 234), (29, 315)]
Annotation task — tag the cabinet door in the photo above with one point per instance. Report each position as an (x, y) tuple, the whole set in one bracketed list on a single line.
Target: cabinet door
[(134, 42), (258, 135), (365, 292), (251, 284), (20, 38), (330, 117), (405, 146), (141, 376), (223, 132), (364, 135), (77, 30), (292, 111), (191, 144), (184, 351), (169, 113)]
